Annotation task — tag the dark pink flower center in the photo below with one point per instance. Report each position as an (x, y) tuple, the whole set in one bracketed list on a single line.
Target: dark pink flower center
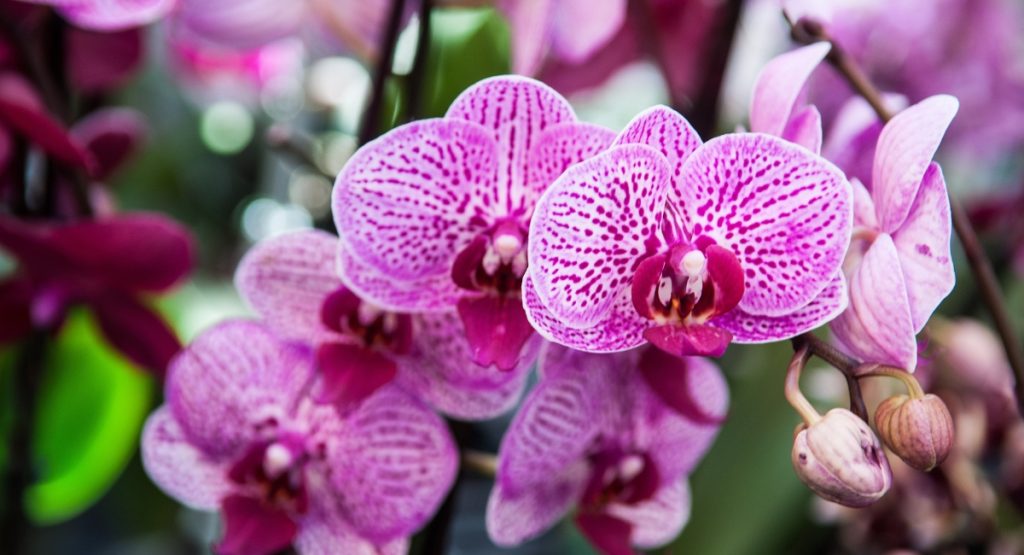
[(620, 477), (273, 472), (347, 314), (494, 262)]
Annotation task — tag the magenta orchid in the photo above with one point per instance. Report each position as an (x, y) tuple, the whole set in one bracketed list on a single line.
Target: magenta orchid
[(779, 87), (899, 264), (107, 264), (435, 213), (594, 436), (109, 15), (292, 283), (686, 245), (238, 433)]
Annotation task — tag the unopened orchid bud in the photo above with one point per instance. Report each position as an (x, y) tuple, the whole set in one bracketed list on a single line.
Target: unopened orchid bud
[(919, 430), (841, 459)]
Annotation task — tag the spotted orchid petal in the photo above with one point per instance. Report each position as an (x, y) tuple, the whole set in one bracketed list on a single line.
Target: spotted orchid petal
[(747, 328), (513, 518), (325, 531), (516, 111), (923, 245), (229, 380), (111, 15), (178, 467), (621, 329), (658, 520), (784, 212), (877, 326), (560, 146), (432, 292), (392, 465), (905, 149), (778, 88), (804, 129), (285, 280), (580, 27), (407, 203), (592, 227)]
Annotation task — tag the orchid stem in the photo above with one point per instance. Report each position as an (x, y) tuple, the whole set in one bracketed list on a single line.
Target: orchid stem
[(807, 31), (793, 394), (842, 362), (414, 97), (484, 464), (703, 113), (370, 125), (877, 370)]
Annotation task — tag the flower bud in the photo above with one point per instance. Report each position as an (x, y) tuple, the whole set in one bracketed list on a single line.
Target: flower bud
[(841, 459), (919, 431)]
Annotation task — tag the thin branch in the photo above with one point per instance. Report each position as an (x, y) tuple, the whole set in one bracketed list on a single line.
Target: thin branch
[(484, 464), (808, 31), (844, 363), (703, 113), (414, 98), (370, 125), (793, 394)]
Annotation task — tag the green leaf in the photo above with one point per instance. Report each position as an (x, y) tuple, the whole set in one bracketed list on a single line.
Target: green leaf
[(90, 411)]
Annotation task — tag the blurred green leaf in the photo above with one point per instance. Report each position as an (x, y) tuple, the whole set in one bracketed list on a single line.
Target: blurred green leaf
[(91, 407)]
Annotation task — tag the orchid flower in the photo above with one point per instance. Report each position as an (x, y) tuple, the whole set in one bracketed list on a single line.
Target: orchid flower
[(239, 434), (594, 436), (109, 15), (434, 214), (779, 87), (899, 264), (292, 282), (689, 246), (107, 264)]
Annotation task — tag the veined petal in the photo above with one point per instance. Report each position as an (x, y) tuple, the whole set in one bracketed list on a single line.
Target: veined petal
[(923, 245), (560, 146), (752, 328), (459, 400), (621, 329), (877, 326), (853, 135), (804, 129), (429, 293), (691, 386), (864, 214), (392, 466), (530, 25), (231, 378), (659, 519), (905, 148), (785, 213), (516, 110), (113, 15), (285, 279), (324, 531), (591, 229), (178, 467), (580, 27), (407, 203), (778, 87), (513, 518)]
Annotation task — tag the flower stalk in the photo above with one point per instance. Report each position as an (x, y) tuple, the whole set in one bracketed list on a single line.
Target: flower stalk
[(370, 125), (795, 397)]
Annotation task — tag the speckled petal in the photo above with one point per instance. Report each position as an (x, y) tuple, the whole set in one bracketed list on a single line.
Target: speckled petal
[(408, 202), (178, 467), (905, 148), (559, 147), (515, 518), (324, 531), (429, 293), (750, 328), (783, 211), (779, 85), (592, 227), (516, 110), (923, 245), (392, 465), (658, 520)]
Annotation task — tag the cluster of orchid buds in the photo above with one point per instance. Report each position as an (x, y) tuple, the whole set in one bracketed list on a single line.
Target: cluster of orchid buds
[(503, 237)]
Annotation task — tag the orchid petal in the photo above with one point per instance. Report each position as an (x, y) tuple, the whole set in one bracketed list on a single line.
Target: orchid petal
[(112, 136), (621, 329), (407, 203), (591, 229), (231, 379), (351, 373), (560, 146), (513, 518), (530, 32), (286, 279), (689, 340), (241, 24), (853, 135), (675, 380), (429, 293), (496, 329), (324, 531), (22, 109), (392, 466), (877, 326), (179, 468), (804, 129), (923, 245), (784, 212), (252, 527), (516, 111), (98, 61), (427, 378), (779, 85), (579, 28), (864, 214), (137, 331), (752, 328), (905, 148), (112, 15), (609, 534), (658, 520)]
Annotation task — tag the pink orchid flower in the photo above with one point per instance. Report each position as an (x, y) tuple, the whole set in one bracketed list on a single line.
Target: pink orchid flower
[(780, 86), (595, 436), (292, 283), (435, 214), (239, 434), (107, 264), (899, 264), (110, 15), (686, 245)]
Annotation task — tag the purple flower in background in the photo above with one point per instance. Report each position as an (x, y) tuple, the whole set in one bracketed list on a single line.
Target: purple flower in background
[(594, 436), (688, 246), (109, 15), (899, 264), (435, 213), (107, 264), (779, 87), (238, 433), (292, 283)]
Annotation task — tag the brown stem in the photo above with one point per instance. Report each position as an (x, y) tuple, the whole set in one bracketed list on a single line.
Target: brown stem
[(484, 464), (414, 97), (793, 394), (807, 31), (703, 113), (841, 361), (370, 125)]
